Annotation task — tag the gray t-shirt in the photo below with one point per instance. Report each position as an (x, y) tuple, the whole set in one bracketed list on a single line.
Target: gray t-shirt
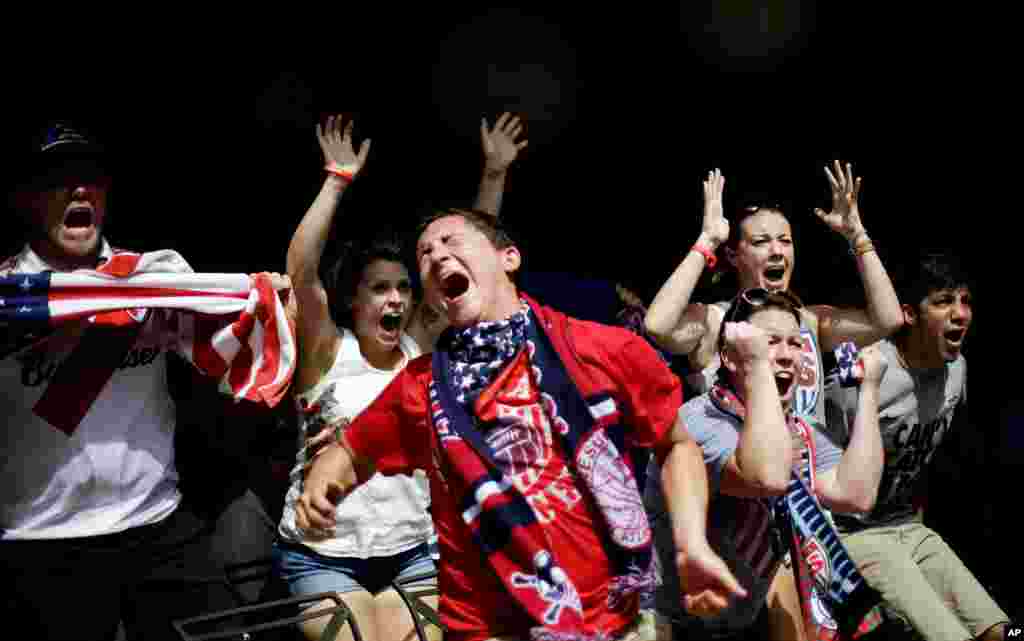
[(741, 530), (915, 412)]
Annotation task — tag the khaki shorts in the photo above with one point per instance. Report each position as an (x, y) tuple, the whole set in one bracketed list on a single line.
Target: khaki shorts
[(923, 582)]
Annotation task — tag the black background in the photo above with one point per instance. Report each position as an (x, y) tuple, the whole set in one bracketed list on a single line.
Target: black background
[(626, 108)]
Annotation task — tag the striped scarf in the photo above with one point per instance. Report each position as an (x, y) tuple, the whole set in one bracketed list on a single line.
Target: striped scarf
[(837, 602), (501, 519), (230, 326)]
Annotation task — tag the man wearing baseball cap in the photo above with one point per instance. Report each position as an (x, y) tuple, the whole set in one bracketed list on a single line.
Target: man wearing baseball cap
[(92, 522)]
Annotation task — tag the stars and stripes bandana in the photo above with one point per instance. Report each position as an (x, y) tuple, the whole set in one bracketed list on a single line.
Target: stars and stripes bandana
[(480, 352), (232, 327)]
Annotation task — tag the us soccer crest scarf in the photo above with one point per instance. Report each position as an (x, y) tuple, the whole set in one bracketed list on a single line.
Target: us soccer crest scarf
[(837, 602), (499, 516)]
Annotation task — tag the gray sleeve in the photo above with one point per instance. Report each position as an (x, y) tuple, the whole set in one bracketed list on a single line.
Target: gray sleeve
[(826, 453), (716, 434), (840, 406)]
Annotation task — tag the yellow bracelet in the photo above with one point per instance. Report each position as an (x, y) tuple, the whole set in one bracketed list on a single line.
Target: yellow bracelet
[(863, 248)]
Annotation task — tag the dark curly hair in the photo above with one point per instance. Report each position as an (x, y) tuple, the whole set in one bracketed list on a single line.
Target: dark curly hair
[(342, 277), (927, 272)]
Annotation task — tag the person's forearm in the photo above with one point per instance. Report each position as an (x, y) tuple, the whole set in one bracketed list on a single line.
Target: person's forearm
[(684, 482), (883, 305), (666, 312), (860, 470), (307, 244), (490, 192), (336, 463), (764, 454)]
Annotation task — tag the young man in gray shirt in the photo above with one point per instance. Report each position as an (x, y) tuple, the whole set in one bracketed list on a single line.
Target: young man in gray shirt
[(921, 578)]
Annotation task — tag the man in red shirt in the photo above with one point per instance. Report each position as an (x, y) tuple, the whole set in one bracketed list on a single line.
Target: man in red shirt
[(528, 423)]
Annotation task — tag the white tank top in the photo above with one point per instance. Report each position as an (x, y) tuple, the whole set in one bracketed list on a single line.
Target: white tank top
[(387, 514)]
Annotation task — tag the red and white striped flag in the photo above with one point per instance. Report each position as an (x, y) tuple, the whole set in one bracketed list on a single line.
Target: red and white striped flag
[(230, 326)]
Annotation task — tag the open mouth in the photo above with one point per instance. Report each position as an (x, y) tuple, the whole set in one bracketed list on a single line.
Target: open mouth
[(454, 285), (390, 322), (783, 382), (775, 274), (78, 218), (955, 335)]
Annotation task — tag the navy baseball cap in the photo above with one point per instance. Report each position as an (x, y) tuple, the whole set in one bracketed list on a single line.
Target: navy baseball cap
[(61, 151)]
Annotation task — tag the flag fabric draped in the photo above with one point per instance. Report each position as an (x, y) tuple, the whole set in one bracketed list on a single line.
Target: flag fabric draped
[(232, 327)]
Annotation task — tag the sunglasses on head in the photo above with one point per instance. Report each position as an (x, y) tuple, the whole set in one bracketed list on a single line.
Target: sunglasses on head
[(754, 207), (759, 297)]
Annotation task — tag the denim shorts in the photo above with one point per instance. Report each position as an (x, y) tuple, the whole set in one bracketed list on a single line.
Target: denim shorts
[(306, 572)]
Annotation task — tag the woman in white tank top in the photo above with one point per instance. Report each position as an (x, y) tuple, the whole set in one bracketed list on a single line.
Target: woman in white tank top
[(383, 530)]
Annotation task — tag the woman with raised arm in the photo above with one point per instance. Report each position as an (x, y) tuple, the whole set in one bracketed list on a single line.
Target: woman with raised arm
[(382, 531), (758, 245)]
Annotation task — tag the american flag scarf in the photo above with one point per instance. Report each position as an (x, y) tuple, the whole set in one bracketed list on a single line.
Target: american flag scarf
[(501, 520), (837, 602), (477, 354), (232, 327)]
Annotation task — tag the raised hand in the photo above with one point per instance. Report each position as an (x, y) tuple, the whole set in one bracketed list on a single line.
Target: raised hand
[(279, 281), (715, 228), (875, 364), (499, 144), (706, 581), (336, 144), (845, 215), (282, 284), (746, 341)]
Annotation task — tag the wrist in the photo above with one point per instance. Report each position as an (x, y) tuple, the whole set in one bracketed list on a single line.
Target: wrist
[(870, 388), (707, 251), (494, 173), (708, 241), (336, 183), (857, 236), (345, 172), (861, 244), (690, 543)]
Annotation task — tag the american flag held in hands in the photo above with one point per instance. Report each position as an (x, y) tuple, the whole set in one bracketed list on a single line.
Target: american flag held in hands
[(232, 327)]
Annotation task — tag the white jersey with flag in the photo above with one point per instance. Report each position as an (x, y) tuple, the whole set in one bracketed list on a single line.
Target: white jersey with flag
[(88, 429)]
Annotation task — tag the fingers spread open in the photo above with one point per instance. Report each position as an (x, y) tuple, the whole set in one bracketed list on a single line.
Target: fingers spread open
[(831, 179)]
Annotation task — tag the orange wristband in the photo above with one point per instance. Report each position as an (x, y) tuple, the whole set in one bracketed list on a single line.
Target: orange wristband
[(709, 255), (345, 172)]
